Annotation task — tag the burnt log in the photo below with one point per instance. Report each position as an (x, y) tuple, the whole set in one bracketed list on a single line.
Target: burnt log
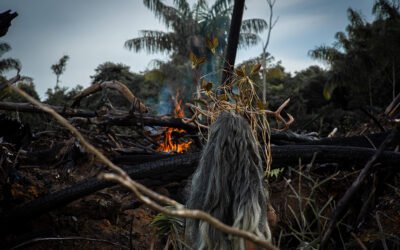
[(175, 167), (30, 108), (348, 197), (367, 141), (116, 85), (233, 40), (178, 167), (123, 118), (138, 119), (289, 155)]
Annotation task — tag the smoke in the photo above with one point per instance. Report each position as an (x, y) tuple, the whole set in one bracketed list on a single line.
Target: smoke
[(165, 105)]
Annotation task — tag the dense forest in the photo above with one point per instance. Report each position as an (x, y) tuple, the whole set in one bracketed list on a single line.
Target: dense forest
[(328, 136)]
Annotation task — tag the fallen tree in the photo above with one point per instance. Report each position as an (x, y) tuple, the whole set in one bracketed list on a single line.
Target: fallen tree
[(178, 167)]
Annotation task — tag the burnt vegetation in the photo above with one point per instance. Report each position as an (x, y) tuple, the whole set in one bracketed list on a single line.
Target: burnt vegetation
[(328, 138)]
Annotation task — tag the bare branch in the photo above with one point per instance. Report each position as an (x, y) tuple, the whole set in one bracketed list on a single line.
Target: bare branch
[(74, 238), (188, 213), (143, 193), (271, 25), (117, 85), (345, 201)]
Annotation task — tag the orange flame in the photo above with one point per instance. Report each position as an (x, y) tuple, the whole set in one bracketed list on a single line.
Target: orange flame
[(168, 144)]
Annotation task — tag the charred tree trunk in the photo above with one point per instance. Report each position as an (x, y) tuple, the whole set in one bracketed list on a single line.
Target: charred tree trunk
[(233, 40)]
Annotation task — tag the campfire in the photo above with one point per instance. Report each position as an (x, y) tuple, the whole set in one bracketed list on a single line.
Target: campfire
[(170, 142)]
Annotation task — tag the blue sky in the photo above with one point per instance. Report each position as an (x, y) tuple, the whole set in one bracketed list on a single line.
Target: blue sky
[(94, 31)]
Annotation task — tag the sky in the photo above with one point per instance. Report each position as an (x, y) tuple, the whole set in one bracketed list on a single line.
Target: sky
[(92, 32)]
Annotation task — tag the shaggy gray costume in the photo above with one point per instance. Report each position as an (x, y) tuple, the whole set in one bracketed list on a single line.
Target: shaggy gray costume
[(228, 184)]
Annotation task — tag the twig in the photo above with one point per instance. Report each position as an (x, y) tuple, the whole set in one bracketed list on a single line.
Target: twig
[(377, 123), (381, 233), (345, 201), (279, 117), (66, 238), (359, 241), (119, 118), (117, 85), (143, 193), (131, 235), (64, 111), (368, 203), (188, 213)]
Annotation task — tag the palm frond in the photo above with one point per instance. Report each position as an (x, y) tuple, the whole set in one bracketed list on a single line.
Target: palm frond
[(384, 9), (9, 64), (199, 9), (151, 41), (221, 5), (255, 25), (163, 12), (215, 27), (355, 18), (182, 5), (59, 68), (171, 228), (342, 41), (326, 54), (248, 39)]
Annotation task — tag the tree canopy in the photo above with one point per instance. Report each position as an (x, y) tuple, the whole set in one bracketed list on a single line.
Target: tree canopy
[(59, 67), (192, 28), (366, 57)]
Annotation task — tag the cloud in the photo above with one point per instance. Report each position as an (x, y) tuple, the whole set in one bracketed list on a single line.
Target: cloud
[(293, 64), (93, 32), (294, 26)]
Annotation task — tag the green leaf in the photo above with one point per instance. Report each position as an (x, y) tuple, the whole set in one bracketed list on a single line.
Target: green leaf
[(223, 97), (207, 86), (154, 76), (239, 72), (196, 61), (275, 172), (256, 68), (328, 90), (212, 44), (275, 73), (261, 105)]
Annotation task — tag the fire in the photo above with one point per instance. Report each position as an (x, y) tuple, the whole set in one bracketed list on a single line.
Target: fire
[(169, 144)]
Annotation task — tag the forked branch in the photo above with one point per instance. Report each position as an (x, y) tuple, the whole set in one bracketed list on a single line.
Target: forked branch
[(147, 196)]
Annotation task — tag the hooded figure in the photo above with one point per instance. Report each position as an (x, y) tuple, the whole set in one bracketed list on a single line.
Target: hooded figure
[(228, 184)]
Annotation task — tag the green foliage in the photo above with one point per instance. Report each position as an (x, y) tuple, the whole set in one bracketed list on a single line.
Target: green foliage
[(307, 213), (7, 64), (26, 85), (275, 173), (154, 75), (61, 96), (366, 58), (328, 90), (198, 31), (144, 86), (109, 71), (191, 27), (36, 121), (171, 229), (59, 67)]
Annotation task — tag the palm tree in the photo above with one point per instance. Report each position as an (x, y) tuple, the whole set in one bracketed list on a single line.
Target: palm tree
[(190, 27), (59, 68), (365, 57), (7, 63)]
